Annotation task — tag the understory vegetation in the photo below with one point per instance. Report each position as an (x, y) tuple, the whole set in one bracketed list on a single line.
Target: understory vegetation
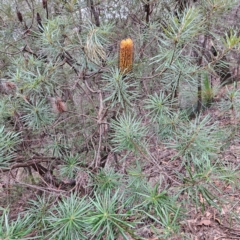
[(119, 119)]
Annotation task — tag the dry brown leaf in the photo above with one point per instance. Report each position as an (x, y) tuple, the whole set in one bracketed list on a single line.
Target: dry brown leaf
[(58, 105), (10, 85), (205, 222), (61, 106), (208, 215), (191, 221), (218, 220), (201, 198)]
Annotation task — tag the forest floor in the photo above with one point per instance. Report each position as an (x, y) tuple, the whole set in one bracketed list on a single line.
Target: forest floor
[(198, 223), (208, 223)]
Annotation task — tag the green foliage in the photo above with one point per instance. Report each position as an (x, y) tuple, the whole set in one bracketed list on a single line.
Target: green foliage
[(106, 154), (136, 181), (96, 42), (67, 220), (18, 229), (199, 183), (231, 101), (108, 219), (118, 86), (8, 144), (196, 138), (38, 210), (208, 91), (107, 179), (70, 166), (36, 113), (184, 29), (136, 177), (52, 39), (153, 200), (58, 146), (231, 40), (170, 223), (128, 133), (177, 32), (160, 106)]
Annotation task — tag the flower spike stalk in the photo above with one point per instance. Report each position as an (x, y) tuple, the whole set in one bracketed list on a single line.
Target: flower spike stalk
[(126, 55)]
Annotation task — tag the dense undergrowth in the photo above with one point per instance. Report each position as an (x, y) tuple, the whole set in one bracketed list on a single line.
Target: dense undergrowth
[(101, 140)]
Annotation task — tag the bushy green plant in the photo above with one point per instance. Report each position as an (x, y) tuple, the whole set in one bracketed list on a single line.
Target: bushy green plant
[(108, 219), (231, 101), (208, 91), (38, 210), (118, 86), (67, 220), (107, 179), (71, 166), (196, 138), (103, 103), (8, 144), (17, 229), (128, 133)]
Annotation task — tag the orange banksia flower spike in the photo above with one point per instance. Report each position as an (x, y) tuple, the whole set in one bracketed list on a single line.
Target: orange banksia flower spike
[(126, 55)]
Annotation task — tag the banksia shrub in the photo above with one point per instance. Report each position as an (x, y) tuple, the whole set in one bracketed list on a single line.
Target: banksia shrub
[(126, 55)]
